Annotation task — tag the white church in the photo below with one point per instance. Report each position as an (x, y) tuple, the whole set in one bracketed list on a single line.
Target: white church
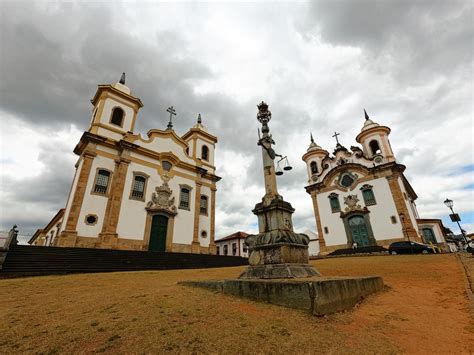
[(130, 192), (361, 196)]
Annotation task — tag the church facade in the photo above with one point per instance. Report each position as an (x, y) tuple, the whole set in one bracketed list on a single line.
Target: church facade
[(130, 192), (361, 196)]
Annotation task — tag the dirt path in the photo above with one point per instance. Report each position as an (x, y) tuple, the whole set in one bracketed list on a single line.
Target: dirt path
[(424, 310)]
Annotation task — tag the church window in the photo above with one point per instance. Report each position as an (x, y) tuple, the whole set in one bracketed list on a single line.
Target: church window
[(102, 182), (138, 187), (205, 153), (393, 219), (204, 234), (166, 165), (184, 199), (347, 180), (374, 147), (117, 116), (91, 219), (368, 195), (334, 202), (203, 206), (234, 248), (314, 167), (326, 230)]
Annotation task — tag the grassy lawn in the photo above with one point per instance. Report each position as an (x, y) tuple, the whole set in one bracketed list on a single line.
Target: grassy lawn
[(423, 310)]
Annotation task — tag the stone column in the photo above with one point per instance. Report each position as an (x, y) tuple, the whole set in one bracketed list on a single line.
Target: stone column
[(196, 245), (68, 236), (401, 207), (212, 244), (108, 236)]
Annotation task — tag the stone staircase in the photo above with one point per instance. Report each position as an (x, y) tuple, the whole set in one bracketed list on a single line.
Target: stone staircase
[(31, 260)]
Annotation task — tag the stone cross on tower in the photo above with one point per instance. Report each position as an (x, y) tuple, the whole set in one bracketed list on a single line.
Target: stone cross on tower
[(335, 136), (172, 112)]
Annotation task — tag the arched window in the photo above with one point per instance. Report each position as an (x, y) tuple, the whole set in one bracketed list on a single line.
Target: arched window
[(334, 202), (314, 167), (368, 195), (138, 187), (205, 153), (374, 147), (117, 116), (102, 182), (184, 198), (203, 206)]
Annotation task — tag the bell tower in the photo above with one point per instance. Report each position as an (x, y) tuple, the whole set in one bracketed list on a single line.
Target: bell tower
[(115, 110), (314, 159), (374, 140)]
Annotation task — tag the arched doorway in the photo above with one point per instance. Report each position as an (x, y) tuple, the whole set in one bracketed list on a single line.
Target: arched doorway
[(158, 231), (359, 231), (428, 235)]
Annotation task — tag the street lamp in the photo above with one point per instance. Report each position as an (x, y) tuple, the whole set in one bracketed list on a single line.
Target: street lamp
[(455, 218)]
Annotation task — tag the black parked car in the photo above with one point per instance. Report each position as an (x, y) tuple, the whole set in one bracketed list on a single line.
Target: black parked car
[(409, 248)]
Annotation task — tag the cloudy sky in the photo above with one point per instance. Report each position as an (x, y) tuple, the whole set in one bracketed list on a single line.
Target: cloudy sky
[(317, 64)]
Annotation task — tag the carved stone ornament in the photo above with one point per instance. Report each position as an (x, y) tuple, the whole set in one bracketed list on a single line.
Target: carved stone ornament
[(351, 203), (161, 200)]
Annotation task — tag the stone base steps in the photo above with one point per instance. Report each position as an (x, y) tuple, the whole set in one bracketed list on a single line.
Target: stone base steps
[(30, 260)]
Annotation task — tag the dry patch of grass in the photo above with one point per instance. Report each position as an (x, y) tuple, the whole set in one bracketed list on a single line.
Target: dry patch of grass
[(147, 312)]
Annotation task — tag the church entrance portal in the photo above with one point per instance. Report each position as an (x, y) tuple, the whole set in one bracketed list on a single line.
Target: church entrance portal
[(159, 228), (359, 232), (428, 235)]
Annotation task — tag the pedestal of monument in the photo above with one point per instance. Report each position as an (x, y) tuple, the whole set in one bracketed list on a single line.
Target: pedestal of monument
[(277, 252)]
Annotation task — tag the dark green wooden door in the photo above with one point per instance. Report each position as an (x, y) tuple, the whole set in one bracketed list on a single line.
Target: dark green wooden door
[(359, 231), (159, 227), (429, 235)]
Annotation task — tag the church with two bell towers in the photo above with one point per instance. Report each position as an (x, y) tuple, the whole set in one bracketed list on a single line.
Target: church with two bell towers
[(361, 197), (131, 192)]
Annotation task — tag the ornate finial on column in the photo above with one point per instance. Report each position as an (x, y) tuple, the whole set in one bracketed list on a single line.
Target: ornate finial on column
[(199, 118), (366, 115), (264, 116), (122, 79)]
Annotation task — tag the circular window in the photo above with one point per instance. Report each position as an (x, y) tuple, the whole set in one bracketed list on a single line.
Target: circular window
[(91, 219), (203, 234), (347, 181), (166, 165)]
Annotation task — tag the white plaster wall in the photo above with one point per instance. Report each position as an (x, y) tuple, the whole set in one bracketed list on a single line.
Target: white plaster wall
[(107, 149), (109, 104), (165, 144), (336, 232), (184, 220), (71, 193), (229, 247), (106, 133), (132, 218), (380, 213), (199, 144), (94, 204)]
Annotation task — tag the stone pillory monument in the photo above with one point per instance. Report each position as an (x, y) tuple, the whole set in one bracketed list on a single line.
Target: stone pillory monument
[(279, 270), (276, 251)]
